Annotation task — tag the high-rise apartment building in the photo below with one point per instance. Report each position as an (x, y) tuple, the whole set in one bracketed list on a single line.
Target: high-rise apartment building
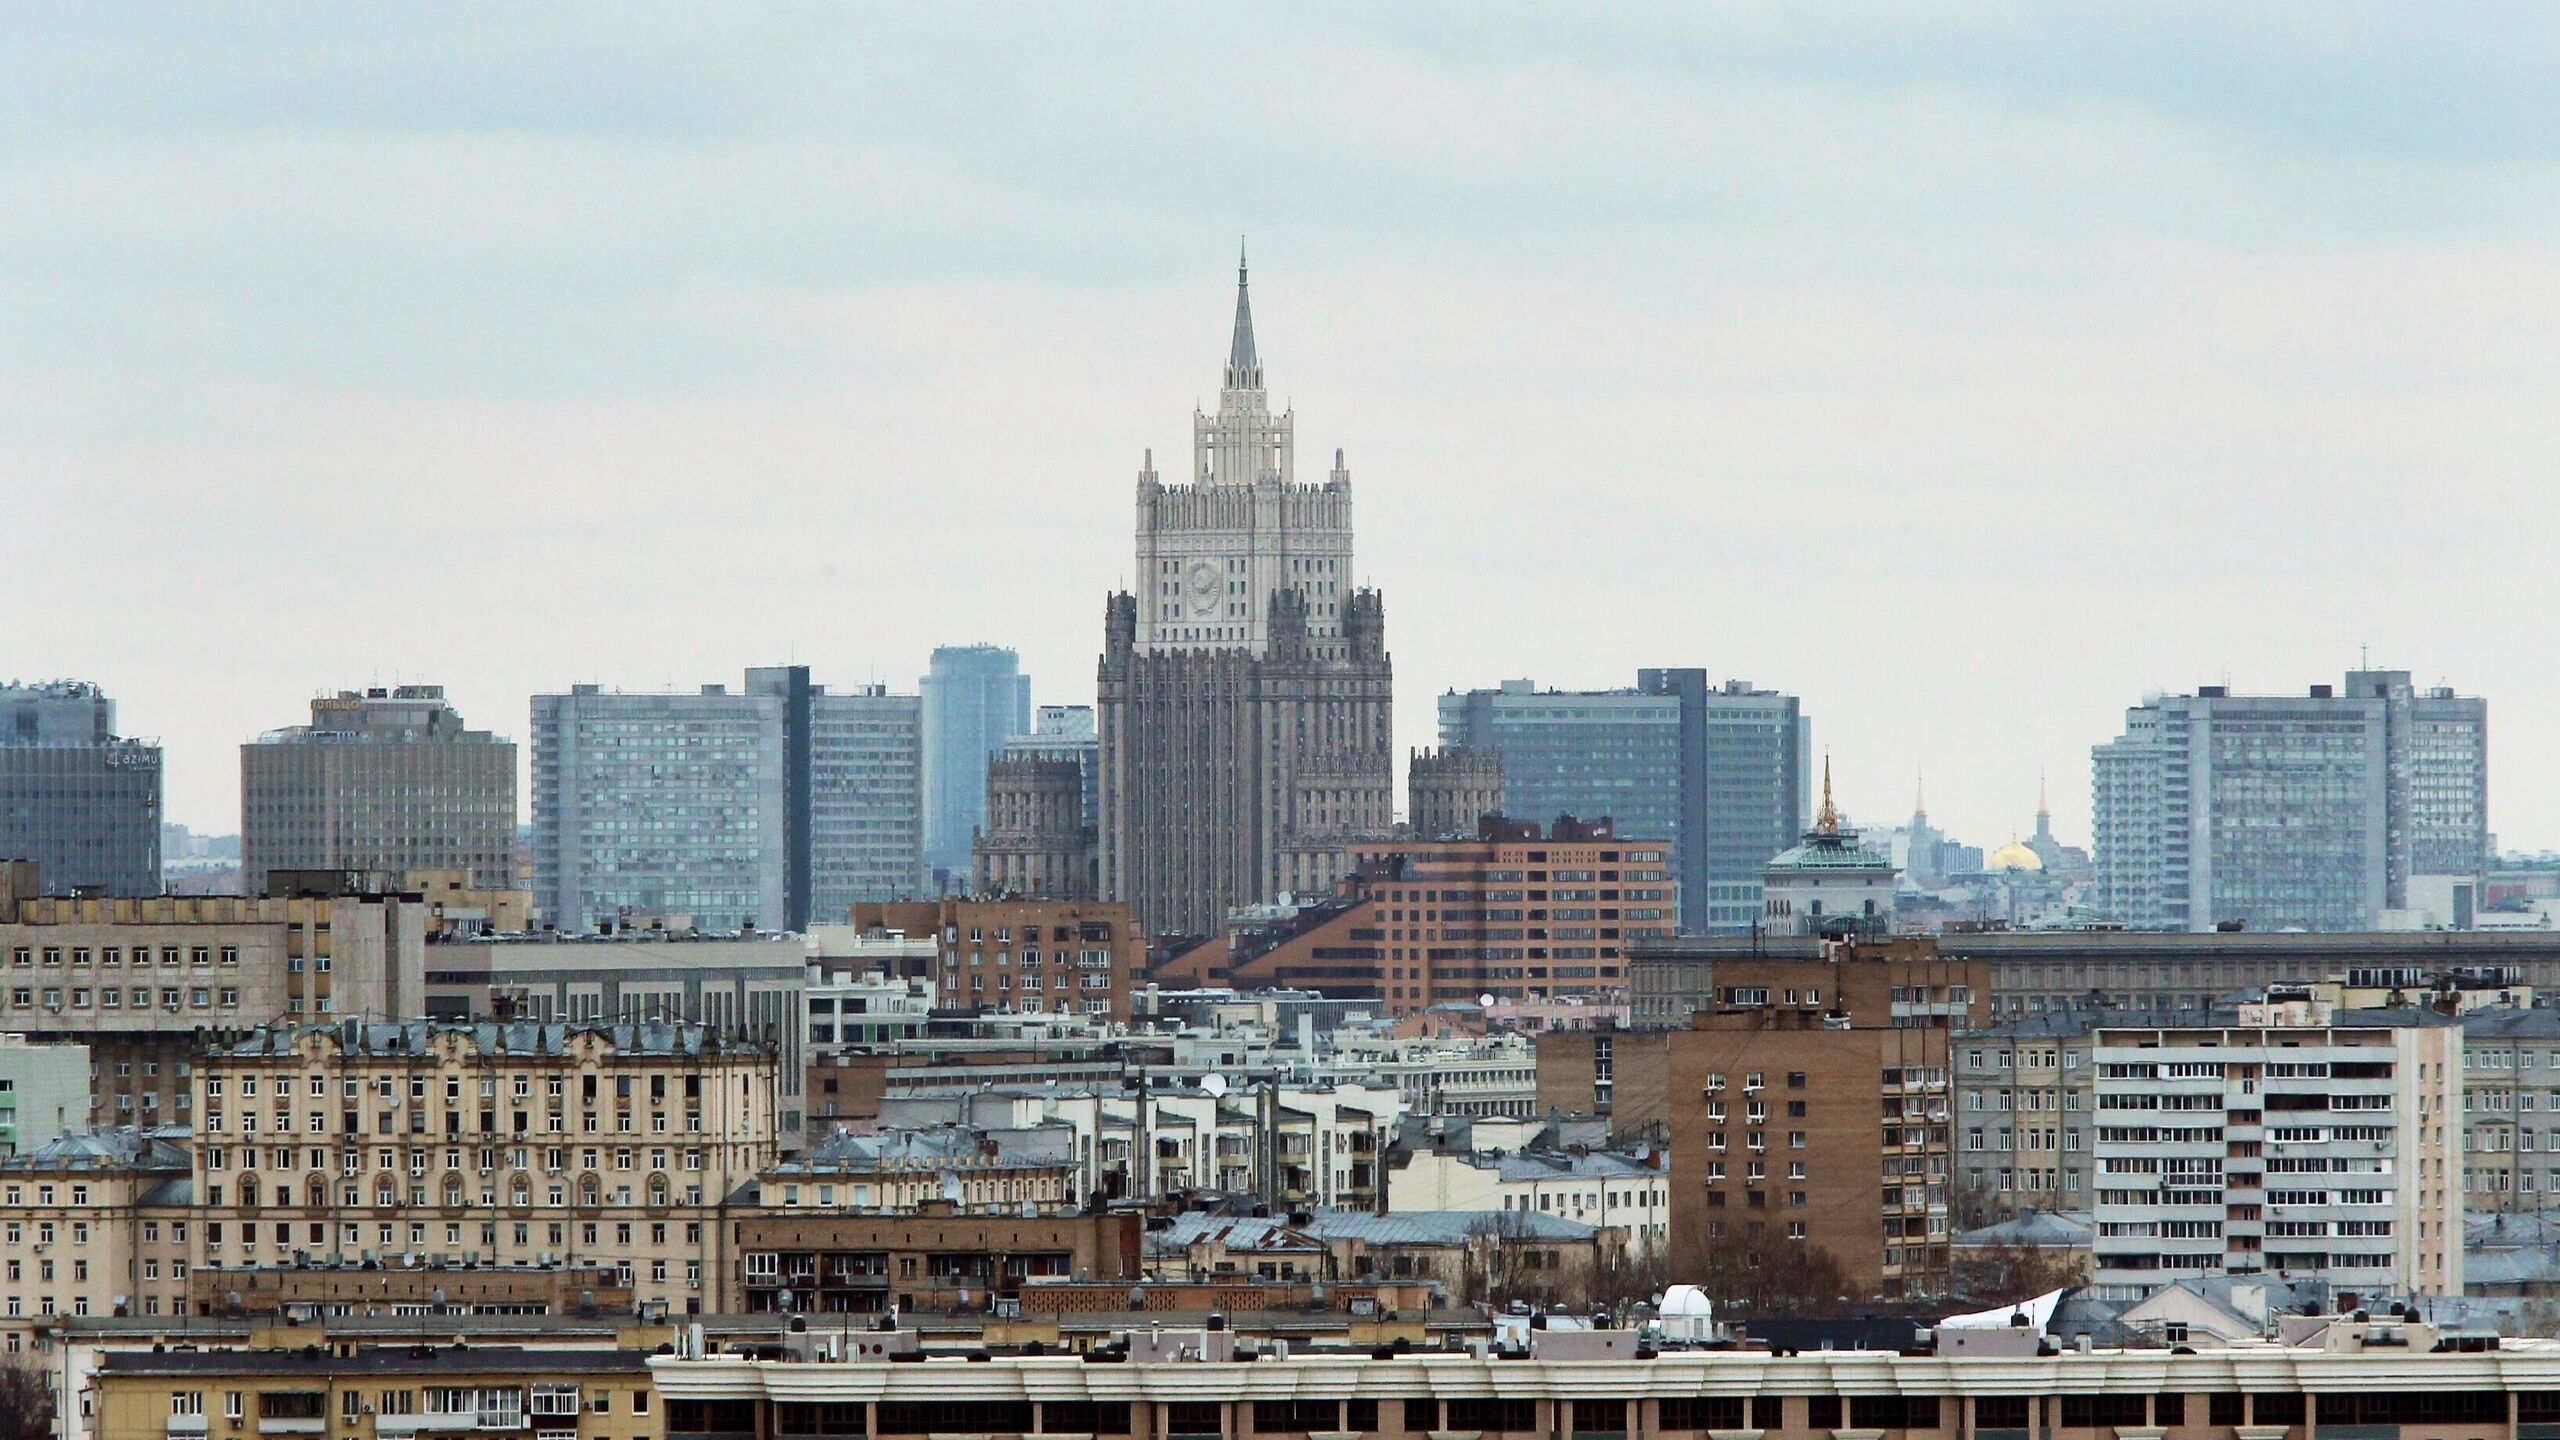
[(1810, 1106), (382, 779), (1720, 770), (762, 807), (77, 799), (975, 698), (2299, 1142), (2313, 812), (1244, 690)]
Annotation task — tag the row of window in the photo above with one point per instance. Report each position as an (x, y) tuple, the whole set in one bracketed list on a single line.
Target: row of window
[(170, 955)]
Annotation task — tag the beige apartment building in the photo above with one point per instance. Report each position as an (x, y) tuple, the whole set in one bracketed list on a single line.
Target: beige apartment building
[(481, 1143), (72, 1240), (375, 1392), (146, 981)]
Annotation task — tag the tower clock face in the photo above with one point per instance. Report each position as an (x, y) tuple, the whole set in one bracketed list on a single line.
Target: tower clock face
[(1204, 586)]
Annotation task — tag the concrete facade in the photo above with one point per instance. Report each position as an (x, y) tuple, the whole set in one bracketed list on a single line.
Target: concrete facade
[(144, 981), (740, 985), (2300, 1143), (386, 780), (44, 1091)]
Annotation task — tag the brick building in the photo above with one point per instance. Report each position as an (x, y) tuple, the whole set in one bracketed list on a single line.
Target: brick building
[(1515, 913), (1810, 1106), (1023, 956)]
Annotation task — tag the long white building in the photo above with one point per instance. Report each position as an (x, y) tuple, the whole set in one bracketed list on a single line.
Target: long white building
[(2297, 1143)]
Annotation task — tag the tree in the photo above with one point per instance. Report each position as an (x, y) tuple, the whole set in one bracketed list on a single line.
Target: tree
[(1758, 1275), (2007, 1274), (26, 1402), (1504, 1262), (1621, 1278)]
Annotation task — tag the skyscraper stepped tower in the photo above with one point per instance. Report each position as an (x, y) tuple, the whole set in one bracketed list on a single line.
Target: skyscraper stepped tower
[(1244, 687)]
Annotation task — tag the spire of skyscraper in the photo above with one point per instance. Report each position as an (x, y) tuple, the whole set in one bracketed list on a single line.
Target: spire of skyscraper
[(1244, 368), (1827, 822)]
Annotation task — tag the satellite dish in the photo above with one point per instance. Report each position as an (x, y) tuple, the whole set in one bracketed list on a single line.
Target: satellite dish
[(1485, 1000), (1215, 1086)]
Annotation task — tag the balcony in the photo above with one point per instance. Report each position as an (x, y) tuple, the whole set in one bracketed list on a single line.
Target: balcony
[(188, 1425)]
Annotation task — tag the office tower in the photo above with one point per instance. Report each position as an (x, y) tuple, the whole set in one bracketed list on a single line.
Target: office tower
[(1449, 792), (2314, 812), (761, 807), (2361, 1182), (384, 780), (1720, 770), (1244, 694), (74, 798), (2436, 778), (866, 799), (975, 699)]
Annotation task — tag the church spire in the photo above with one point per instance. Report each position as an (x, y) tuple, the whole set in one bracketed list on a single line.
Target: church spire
[(1244, 368)]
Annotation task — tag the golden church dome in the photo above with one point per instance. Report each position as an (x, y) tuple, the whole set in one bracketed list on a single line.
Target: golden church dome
[(2013, 856)]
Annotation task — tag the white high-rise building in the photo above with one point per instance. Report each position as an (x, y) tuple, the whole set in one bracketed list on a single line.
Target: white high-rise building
[(2312, 812), (2298, 1143)]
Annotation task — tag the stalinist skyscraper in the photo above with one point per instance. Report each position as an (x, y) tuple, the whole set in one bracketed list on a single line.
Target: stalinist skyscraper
[(1245, 688)]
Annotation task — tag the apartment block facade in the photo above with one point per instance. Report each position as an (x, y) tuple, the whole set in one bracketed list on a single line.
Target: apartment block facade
[(2300, 1143), (1812, 1105), (145, 982), (1517, 913), (1022, 956), (508, 1144)]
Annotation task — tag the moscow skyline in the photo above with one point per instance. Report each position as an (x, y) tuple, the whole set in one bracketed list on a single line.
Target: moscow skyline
[(1968, 378)]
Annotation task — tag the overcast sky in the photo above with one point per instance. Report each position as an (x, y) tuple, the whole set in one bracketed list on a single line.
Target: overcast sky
[(1967, 373)]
